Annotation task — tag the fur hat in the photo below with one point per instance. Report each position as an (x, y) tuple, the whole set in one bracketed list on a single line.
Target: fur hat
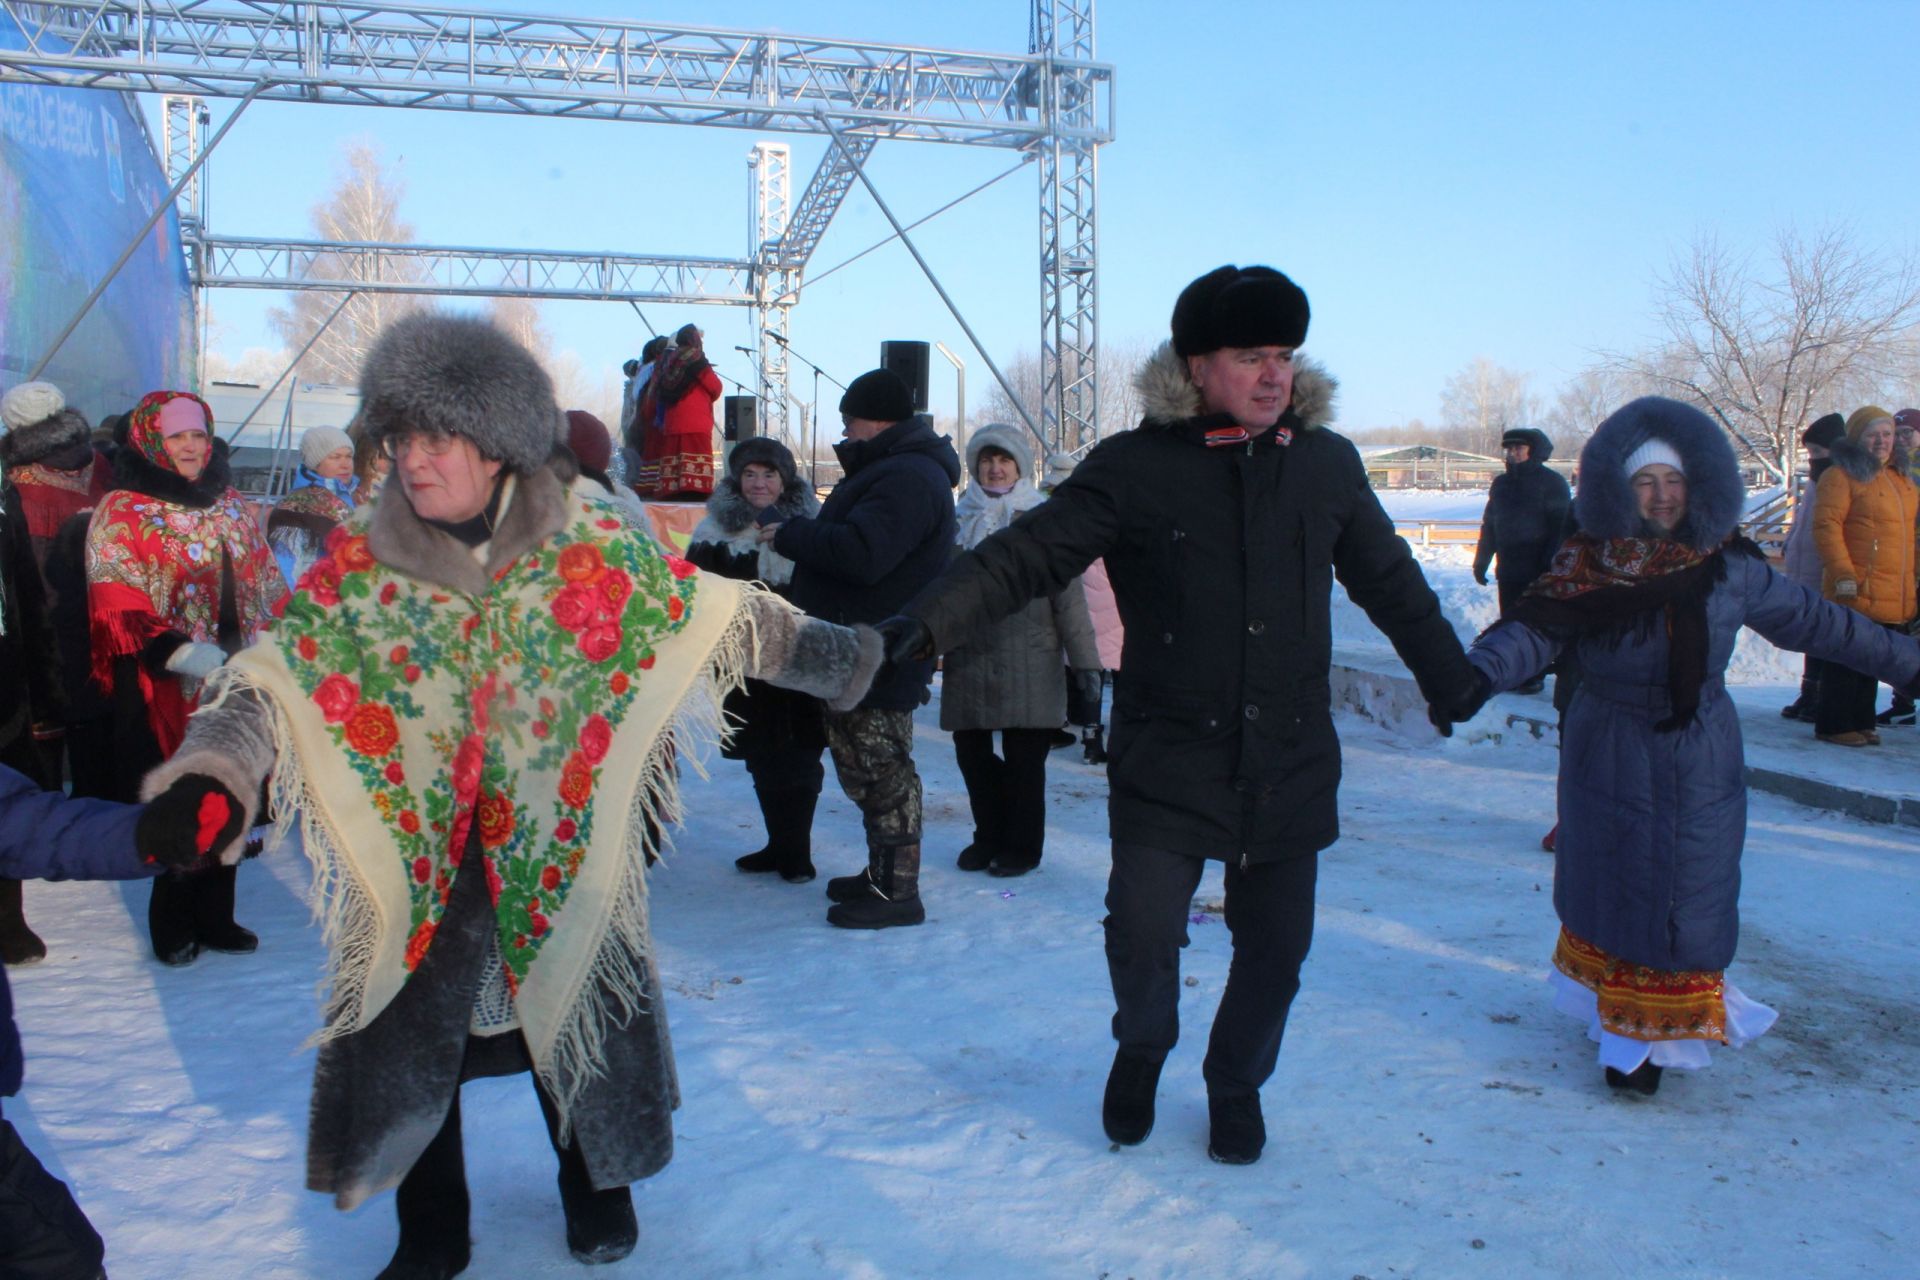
[(878, 395), (766, 451), (37, 424), (1605, 504), (1825, 431), (319, 442), (1860, 419), (587, 437), (1539, 447), (462, 376), (1239, 307), (1010, 440)]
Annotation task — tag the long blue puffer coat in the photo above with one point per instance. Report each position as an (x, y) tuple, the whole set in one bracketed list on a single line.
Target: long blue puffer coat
[(46, 836), (1647, 860)]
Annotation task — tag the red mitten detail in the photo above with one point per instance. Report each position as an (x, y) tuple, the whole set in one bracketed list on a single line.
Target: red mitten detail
[(214, 813)]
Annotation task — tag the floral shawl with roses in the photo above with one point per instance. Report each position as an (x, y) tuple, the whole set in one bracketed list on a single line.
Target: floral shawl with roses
[(541, 714)]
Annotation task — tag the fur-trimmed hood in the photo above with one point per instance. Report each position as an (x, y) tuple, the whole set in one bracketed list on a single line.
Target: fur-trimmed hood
[(133, 470), (1852, 457), (729, 515), (1168, 396), (38, 441), (1605, 505)]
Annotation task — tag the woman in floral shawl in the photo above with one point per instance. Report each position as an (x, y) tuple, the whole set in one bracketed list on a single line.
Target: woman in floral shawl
[(474, 701), (1653, 590), (178, 577), (675, 414)]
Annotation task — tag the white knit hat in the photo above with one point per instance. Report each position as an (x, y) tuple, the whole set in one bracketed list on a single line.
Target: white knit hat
[(1654, 450), (318, 442), (30, 402)]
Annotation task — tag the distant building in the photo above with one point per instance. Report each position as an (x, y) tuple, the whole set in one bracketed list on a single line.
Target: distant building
[(1430, 466), (266, 452)]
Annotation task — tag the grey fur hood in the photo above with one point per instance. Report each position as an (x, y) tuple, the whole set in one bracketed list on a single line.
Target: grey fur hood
[(1605, 505), (1168, 396), (1852, 457), (728, 514), (37, 441)]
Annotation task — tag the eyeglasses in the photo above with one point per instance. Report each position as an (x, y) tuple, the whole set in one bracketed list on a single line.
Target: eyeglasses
[(432, 443)]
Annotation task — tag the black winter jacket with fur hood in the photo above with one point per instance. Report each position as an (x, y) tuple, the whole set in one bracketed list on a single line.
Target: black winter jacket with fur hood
[(1222, 561)]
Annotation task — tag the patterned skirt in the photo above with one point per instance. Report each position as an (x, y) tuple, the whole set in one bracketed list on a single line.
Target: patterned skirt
[(1635, 1012)]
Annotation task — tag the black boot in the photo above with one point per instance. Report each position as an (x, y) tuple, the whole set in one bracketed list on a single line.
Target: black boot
[(213, 926), (1643, 1079), (433, 1207), (793, 846), (18, 944), (850, 888), (1237, 1132), (170, 920), (600, 1224), (977, 856), (767, 857), (1126, 1113), (1802, 707), (893, 896)]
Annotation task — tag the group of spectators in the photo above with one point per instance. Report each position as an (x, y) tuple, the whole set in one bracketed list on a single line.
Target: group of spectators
[(474, 696)]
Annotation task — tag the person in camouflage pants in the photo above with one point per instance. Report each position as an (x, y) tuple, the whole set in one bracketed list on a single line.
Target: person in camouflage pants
[(873, 756)]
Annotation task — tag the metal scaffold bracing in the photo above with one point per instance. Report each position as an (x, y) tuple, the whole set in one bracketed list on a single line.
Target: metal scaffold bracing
[(1054, 102)]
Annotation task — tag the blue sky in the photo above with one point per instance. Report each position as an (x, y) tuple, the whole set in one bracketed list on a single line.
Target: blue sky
[(1446, 182)]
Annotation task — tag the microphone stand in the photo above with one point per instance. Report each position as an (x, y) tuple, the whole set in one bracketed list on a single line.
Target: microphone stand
[(813, 445)]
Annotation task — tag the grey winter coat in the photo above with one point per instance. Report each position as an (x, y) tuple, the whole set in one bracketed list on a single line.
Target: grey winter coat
[(1800, 558), (1009, 677), (1647, 860)]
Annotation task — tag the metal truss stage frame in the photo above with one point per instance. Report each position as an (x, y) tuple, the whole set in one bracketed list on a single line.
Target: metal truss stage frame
[(1054, 103)]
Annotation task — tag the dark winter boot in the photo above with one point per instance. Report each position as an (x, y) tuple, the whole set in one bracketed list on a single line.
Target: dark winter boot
[(213, 926), (850, 888), (1126, 1113), (767, 857), (18, 944), (1802, 707), (1900, 713), (600, 1224), (1236, 1131), (977, 856), (1643, 1079), (433, 1207), (170, 920), (893, 875), (794, 846)]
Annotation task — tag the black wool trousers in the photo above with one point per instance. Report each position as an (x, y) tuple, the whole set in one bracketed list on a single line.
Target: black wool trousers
[(1007, 792), (1270, 918)]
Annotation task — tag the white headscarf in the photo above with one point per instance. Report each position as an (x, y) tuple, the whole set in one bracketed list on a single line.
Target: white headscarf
[(982, 514)]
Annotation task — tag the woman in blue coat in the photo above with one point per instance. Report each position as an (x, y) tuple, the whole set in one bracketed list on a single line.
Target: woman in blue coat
[(46, 836), (1653, 590)]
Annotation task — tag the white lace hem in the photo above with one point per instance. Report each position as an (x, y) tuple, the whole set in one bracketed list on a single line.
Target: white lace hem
[(1747, 1020)]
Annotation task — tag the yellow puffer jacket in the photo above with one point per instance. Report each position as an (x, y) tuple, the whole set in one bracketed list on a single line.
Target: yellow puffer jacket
[(1864, 518)]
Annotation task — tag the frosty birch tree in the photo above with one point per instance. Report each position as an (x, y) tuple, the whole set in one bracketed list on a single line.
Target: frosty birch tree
[(364, 206), (1482, 401), (1766, 345)]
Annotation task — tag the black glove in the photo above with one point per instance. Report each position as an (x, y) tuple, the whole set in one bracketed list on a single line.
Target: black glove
[(1464, 704), (908, 639), (187, 821), (1083, 697)]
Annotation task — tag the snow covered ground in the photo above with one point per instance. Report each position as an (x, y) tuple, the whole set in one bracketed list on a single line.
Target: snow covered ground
[(925, 1102)]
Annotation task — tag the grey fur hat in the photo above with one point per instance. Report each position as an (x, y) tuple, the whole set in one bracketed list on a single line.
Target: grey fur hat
[(36, 423), (1605, 505), (1010, 440), (462, 376)]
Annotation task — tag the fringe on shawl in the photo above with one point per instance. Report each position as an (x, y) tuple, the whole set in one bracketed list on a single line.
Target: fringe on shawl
[(613, 988), (338, 897)]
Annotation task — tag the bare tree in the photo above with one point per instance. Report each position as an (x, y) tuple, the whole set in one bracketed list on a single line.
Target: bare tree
[(364, 206), (1119, 407), (1584, 402), (1766, 346), (1482, 401)]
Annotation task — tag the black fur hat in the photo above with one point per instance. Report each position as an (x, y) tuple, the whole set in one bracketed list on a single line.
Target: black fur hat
[(766, 451), (1825, 431), (1239, 307), (878, 395), (1605, 505), (462, 376)]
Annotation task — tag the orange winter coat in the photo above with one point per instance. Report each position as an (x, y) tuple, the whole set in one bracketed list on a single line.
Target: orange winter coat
[(1864, 518)]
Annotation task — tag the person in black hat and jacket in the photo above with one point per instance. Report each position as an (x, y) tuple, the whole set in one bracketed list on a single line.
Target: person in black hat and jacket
[(1525, 520), (882, 535), (1224, 519)]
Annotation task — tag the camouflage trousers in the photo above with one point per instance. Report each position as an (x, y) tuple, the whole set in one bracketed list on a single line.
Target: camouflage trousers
[(873, 756)]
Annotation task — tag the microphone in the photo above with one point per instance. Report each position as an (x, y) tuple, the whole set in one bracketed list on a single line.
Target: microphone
[(749, 350), (776, 337)]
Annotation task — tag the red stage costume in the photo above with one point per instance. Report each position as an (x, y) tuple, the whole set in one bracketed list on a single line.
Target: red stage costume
[(676, 413)]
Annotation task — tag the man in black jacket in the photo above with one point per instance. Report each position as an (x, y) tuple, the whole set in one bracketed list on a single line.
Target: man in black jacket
[(881, 536), (1224, 519), (1525, 521)]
